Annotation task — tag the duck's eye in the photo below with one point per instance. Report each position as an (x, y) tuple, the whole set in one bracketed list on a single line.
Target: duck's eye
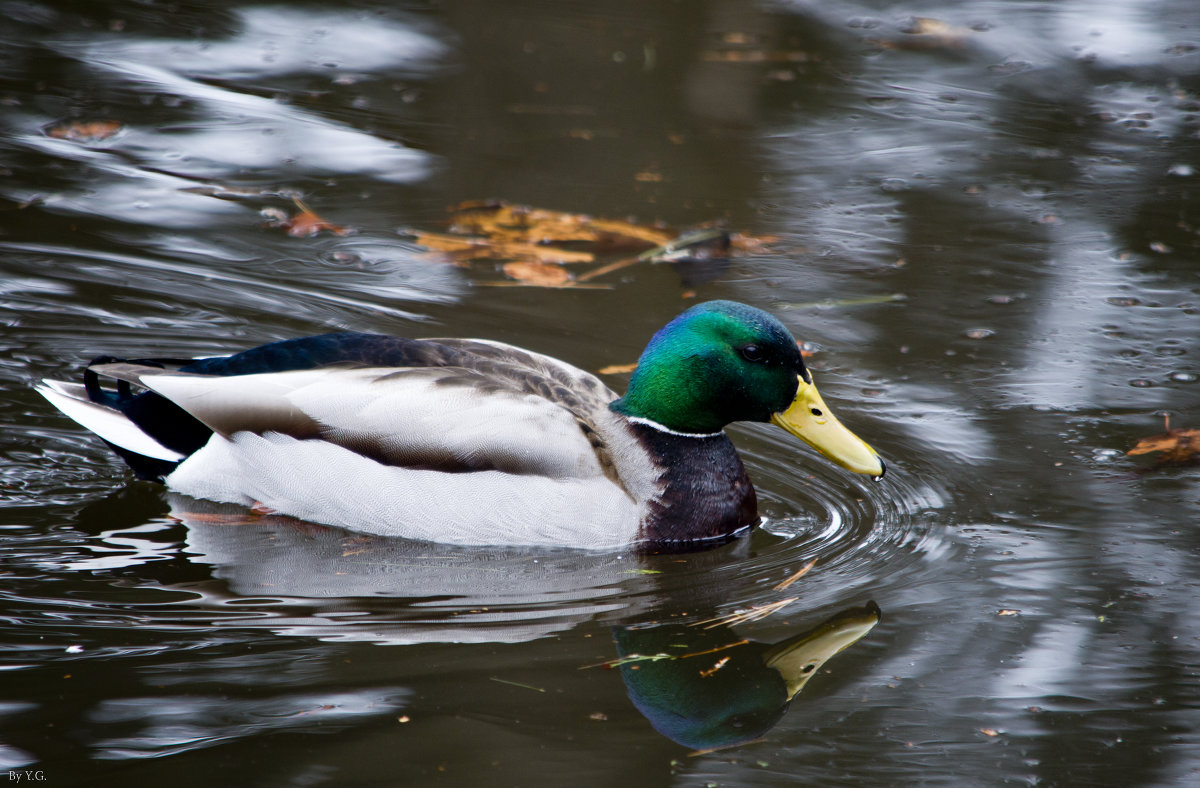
[(752, 353), (816, 411)]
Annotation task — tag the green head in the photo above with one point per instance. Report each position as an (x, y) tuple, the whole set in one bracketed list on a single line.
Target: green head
[(716, 363), (721, 362)]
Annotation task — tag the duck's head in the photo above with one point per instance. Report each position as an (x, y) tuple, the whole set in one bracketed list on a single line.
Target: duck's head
[(721, 362)]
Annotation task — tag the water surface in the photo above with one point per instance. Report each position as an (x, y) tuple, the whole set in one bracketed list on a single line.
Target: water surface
[(985, 223)]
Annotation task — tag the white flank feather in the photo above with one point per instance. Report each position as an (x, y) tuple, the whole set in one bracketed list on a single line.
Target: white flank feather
[(320, 482)]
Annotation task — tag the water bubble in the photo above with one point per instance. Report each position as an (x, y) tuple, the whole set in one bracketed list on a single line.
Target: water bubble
[(1123, 301), (979, 333), (1107, 455), (1141, 383), (1184, 377)]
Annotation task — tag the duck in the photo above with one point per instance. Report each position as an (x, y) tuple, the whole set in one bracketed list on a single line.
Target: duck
[(471, 441)]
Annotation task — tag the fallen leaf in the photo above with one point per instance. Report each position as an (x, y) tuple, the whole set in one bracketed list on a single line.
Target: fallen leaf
[(924, 32), (1178, 446), (544, 254), (304, 224), (501, 221), (537, 274), (444, 243), (84, 131)]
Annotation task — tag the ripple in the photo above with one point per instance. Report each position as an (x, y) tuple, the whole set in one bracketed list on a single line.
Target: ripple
[(859, 532)]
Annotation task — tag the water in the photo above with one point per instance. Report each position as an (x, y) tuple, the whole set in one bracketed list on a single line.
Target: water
[(987, 229)]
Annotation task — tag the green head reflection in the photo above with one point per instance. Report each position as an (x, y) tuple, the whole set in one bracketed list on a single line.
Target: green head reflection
[(706, 688)]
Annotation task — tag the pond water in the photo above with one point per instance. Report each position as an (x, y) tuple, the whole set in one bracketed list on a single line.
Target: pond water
[(983, 218)]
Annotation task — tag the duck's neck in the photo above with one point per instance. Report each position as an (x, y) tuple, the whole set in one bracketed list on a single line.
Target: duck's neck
[(704, 492)]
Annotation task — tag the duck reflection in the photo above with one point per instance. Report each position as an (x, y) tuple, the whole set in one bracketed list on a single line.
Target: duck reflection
[(710, 688), (399, 591)]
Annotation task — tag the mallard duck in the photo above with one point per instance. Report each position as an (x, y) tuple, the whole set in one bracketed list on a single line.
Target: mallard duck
[(471, 441)]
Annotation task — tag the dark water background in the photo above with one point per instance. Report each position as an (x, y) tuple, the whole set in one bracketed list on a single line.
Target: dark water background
[(988, 228)]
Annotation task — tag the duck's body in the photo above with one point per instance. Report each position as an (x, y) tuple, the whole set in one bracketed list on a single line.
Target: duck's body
[(454, 440)]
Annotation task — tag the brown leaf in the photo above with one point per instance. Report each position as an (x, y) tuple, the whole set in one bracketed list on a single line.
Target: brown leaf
[(537, 274), (501, 221), (304, 224), (926, 33), (539, 253), (446, 243), (1178, 446), (84, 131)]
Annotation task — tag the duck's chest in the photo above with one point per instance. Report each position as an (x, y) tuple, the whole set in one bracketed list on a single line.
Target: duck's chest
[(703, 495)]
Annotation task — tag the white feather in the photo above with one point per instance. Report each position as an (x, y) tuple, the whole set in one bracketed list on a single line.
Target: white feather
[(321, 482), (109, 423)]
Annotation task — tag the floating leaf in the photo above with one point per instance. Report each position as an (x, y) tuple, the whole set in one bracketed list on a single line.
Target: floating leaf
[(84, 131), (1178, 446), (537, 274), (501, 221), (304, 224), (922, 32)]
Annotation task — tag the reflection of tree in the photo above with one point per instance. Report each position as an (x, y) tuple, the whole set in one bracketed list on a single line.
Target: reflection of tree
[(709, 687)]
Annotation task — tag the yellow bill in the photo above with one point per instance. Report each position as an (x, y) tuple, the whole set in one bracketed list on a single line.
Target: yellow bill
[(811, 421)]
